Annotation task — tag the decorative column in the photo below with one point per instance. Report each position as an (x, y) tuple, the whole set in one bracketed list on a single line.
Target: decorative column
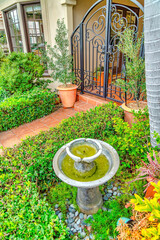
[(68, 14), (21, 23)]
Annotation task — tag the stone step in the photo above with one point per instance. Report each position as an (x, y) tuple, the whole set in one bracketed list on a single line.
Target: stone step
[(80, 106), (91, 99)]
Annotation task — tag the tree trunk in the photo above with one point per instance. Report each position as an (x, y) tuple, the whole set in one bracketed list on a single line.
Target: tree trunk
[(152, 63)]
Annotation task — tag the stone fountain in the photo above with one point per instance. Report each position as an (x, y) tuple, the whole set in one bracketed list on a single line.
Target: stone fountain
[(86, 164)]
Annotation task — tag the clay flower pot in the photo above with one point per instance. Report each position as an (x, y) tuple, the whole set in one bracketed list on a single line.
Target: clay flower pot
[(128, 111), (68, 95)]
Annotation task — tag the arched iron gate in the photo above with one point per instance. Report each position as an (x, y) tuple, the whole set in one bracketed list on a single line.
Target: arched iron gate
[(97, 62)]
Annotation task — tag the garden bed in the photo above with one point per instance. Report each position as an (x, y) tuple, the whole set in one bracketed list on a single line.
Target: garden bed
[(30, 189)]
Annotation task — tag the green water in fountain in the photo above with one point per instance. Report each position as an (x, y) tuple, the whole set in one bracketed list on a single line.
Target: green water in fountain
[(83, 150), (99, 170)]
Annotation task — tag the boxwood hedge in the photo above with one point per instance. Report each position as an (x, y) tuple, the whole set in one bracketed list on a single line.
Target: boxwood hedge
[(26, 107)]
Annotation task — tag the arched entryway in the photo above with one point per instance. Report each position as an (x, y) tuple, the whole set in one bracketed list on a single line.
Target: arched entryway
[(97, 62)]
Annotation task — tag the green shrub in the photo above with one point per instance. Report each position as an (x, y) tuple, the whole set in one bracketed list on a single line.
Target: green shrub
[(23, 214), (132, 143), (19, 109), (3, 94), (61, 193), (104, 222), (21, 72), (2, 56)]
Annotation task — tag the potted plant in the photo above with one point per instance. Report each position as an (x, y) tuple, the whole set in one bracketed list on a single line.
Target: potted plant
[(134, 82), (150, 172), (146, 219), (60, 62)]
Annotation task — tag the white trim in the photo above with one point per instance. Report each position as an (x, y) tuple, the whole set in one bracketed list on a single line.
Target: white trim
[(68, 2)]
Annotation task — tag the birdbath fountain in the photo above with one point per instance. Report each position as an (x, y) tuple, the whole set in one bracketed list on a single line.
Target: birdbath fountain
[(86, 164)]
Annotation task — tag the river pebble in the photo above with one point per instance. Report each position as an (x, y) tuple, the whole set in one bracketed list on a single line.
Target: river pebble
[(81, 215), (75, 221)]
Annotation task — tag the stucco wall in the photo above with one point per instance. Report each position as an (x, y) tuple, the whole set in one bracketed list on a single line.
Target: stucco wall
[(7, 3)]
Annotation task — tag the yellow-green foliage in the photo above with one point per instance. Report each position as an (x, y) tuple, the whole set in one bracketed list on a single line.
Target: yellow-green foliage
[(151, 206)]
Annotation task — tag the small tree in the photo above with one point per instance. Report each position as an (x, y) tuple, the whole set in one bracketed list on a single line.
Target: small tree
[(58, 58), (135, 65)]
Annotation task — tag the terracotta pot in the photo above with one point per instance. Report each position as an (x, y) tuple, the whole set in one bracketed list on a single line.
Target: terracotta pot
[(128, 113), (68, 95)]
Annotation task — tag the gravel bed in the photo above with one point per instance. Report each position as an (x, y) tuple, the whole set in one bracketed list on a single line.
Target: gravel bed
[(75, 221)]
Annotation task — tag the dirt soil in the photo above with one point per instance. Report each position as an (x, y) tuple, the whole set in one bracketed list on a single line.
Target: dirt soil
[(133, 105), (67, 86)]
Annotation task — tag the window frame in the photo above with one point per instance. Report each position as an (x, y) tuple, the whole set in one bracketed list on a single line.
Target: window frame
[(24, 20), (7, 26)]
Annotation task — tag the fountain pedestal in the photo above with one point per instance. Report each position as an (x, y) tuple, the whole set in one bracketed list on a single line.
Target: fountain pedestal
[(89, 200)]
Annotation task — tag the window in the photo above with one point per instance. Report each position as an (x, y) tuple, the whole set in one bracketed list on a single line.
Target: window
[(31, 28), (34, 25), (14, 31)]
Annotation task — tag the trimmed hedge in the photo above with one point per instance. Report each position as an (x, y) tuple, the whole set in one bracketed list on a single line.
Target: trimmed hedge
[(19, 109)]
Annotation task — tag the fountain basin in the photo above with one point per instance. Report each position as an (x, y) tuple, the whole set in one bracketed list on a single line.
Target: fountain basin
[(89, 198)]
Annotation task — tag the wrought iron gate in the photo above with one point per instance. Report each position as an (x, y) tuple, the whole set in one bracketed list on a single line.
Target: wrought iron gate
[(97, 62)]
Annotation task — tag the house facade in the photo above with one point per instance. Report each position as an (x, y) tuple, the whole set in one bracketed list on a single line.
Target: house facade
[(28, 23), (31, 23)]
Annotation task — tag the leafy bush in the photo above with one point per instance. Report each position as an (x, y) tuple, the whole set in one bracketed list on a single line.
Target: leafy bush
[(61, 193), (132, 143), (21, 72), (104, 222), (19, 109), (3, 94), (2, 56), (23, 214)]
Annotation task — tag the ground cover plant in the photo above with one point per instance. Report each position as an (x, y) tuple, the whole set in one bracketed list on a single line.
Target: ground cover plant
[(104, 222), (22, 108), (27, 170)]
